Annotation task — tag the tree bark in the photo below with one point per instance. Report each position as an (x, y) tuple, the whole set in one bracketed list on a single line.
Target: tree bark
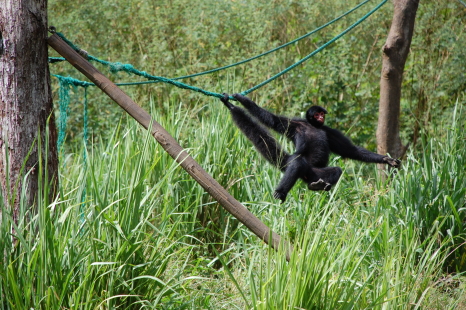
[(25, 102), (395, 52)]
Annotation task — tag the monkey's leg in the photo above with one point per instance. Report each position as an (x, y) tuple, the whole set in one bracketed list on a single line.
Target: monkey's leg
[(264, 142), (292, 173)]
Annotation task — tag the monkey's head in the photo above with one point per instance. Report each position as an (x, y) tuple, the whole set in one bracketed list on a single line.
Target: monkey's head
[(316, 116)]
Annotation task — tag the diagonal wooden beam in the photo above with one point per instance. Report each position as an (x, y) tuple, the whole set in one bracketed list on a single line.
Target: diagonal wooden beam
[(170, 145)]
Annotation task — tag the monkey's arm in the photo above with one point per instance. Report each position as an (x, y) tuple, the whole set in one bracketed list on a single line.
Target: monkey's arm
[(341, 145), (280, 124)]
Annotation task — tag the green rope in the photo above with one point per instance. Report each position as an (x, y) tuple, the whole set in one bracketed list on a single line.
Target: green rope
[(63, 106), (279, 47), (316, 51), (115, 67), (85, 139), (72, 81), (130, 69), (56, 59), (64, 101)]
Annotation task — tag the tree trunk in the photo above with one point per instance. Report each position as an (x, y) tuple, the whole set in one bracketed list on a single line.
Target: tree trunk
[(25, 102), (395, 51)]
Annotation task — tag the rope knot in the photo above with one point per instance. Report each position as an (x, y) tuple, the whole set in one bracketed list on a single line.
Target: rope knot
[(117, 67)]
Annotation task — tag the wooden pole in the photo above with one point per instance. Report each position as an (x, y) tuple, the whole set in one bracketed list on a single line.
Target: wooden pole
[(170, 145)]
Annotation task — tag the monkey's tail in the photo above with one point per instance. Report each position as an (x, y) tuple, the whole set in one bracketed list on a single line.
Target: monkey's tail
[(264, 142)]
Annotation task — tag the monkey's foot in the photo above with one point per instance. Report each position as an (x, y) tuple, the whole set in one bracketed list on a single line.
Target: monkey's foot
[(319, 185)]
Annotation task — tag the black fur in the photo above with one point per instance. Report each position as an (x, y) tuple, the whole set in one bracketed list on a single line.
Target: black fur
[(313, 142)]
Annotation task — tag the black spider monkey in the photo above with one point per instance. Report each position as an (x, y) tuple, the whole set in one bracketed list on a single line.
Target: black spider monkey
[(312, 139)]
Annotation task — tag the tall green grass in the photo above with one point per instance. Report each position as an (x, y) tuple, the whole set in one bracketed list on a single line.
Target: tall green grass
[(130, 229)]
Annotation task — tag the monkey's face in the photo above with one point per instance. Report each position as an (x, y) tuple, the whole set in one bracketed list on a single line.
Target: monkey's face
[(316, 116), (320, 117)]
